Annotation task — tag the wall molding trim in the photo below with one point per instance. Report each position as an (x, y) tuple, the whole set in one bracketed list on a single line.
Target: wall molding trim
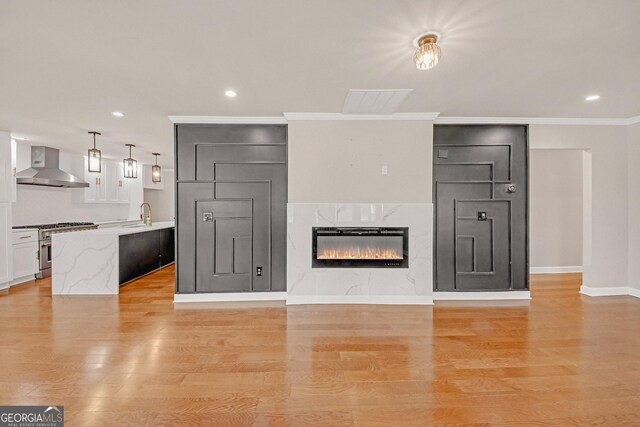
[(341, 116), (286, 117), (481, 296), (553, 270), (359, 299), (230, 297), (266, 120), (610, 292), (537, 121)]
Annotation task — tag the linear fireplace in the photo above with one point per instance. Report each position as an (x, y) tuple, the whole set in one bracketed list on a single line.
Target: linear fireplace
[(353, 247)]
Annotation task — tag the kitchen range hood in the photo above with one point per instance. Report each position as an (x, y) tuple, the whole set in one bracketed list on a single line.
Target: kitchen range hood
[(45, 171)]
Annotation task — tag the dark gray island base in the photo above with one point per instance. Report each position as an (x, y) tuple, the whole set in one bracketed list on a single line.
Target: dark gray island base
[(145, 252)]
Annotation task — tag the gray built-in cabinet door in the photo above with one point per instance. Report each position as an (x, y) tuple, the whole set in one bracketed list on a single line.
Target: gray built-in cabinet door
[(231, 208), (480, 202)]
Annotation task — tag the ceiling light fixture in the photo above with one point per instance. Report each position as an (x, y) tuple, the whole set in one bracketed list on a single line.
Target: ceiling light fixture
[(156, 170), (117, 114), (94, 156), (231, 93), (428, 52), (130, 165), (592, 98)]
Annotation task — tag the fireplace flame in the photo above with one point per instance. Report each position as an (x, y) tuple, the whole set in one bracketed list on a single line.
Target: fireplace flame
[(359, 253)]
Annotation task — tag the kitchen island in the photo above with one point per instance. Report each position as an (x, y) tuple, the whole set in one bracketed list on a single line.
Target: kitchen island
[(97, 262)]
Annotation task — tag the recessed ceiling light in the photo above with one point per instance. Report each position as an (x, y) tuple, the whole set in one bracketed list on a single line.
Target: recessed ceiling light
[(117, 114), (231, 93), (592, 98)]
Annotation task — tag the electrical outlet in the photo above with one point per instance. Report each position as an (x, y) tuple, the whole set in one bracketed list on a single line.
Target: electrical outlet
[(385, 170)]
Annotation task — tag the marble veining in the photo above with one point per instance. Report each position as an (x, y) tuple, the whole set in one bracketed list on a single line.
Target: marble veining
[(87, 262), (359, 284)]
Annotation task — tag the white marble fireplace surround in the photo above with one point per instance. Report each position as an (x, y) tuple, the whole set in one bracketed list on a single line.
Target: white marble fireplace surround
[(307, 285)]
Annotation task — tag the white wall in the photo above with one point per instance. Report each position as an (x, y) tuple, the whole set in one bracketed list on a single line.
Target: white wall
[(633, 158), (340, 161), (42, 205), (555, 208), (605, 237), (163, 201)]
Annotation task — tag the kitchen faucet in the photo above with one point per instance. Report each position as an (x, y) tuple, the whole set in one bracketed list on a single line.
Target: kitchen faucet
[(146, 219)]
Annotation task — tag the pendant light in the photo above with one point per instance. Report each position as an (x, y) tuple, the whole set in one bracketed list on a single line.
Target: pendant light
[(130, 165), (156, 170), (94, 156)]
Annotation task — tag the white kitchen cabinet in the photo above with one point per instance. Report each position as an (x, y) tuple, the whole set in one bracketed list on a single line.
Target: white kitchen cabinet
[(25, 255), (20, 160), (6, 196), (123, 184), (97, 190), (6, 259), (6, 175), (148, 182), (111, 181), (107, 186)]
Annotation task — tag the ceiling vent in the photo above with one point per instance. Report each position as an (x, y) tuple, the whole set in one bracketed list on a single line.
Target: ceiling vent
[(381, 101)]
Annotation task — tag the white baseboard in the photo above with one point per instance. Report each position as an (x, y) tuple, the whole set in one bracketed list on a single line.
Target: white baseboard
[(4, 286), (20, 280), (481, 296), (553, 270), (231, 297), (610, 292), (359, 299)]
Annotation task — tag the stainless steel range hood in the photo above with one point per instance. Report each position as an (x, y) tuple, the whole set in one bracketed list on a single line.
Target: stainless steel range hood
[(45, 170)]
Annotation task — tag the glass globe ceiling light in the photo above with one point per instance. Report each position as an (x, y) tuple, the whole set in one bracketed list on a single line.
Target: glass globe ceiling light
[(428, 52)]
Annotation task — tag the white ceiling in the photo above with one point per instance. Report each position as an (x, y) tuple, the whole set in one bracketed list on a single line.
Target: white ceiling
[(67, 64)]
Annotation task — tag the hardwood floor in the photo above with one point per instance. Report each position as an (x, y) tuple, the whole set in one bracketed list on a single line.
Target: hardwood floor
[(136, 359)]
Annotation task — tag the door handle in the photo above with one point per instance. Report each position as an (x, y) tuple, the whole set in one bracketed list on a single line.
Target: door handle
[(510, 188)]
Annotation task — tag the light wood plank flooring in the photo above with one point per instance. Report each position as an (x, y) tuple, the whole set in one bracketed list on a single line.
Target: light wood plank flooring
[(136, 359)]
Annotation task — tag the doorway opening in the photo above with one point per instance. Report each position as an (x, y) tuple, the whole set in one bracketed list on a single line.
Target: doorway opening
[(560, 216)]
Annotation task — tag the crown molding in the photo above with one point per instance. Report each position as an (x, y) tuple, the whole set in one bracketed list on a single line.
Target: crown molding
[(633, 120), (267, 120), (536, 121), (281, 120), (341, 116)]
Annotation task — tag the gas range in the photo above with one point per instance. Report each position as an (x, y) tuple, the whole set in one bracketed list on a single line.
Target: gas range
[(46, 230), (44, 237)]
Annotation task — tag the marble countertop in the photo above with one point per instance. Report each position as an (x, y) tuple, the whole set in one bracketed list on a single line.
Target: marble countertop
[(120, 231), (87, 262)]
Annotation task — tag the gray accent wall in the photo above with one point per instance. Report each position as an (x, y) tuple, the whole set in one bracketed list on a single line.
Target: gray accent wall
[(231, 195)]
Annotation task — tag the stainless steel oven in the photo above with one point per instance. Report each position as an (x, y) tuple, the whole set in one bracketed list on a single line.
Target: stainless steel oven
[(45, 258)]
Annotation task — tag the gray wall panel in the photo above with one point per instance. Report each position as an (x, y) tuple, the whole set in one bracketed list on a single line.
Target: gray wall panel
[(216, 166)]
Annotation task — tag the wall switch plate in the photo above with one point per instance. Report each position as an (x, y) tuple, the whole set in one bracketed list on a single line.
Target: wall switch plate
[(385, 170), (258, 271)]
